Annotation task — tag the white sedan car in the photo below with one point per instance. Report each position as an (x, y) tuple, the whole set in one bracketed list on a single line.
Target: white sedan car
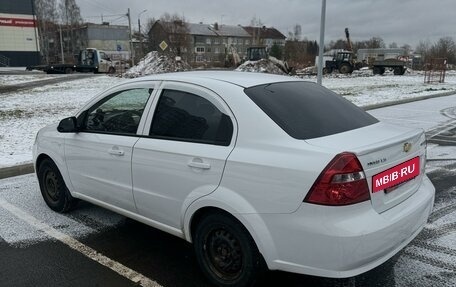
[(257, 171)]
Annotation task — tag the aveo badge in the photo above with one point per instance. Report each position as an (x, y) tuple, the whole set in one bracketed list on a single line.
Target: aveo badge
[(396, 175)]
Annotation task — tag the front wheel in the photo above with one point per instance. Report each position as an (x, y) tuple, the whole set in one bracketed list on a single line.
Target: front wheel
[(53, 188), (225, 251)]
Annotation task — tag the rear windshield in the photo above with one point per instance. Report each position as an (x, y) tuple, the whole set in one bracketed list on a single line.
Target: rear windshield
[(306, 110)]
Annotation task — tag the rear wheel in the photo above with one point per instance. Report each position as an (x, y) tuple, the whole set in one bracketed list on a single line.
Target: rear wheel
[(398, 71), (225, 251), (69, 71), (53, 188), (111, 70), (345, 69)]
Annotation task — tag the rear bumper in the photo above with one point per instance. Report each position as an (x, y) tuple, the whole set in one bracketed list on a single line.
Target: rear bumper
[(345, 241)]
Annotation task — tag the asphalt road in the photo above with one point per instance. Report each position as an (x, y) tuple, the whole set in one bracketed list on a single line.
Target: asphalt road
[(39, 83), (95, 247)]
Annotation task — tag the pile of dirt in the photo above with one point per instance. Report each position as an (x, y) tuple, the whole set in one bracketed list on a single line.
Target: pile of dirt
[(260, 66), (156, 63)]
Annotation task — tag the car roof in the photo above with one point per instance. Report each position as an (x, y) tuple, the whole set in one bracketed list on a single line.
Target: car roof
[(243, 79)]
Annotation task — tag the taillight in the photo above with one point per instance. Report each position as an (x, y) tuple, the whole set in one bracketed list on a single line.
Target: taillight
[(342, 182)]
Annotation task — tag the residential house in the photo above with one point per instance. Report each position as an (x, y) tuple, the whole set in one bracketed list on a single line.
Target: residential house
[(199, 43), (263, 36)]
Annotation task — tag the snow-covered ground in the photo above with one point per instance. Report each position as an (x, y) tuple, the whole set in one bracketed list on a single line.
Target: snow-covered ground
[(23, 113), (6, 80), (365, 90)]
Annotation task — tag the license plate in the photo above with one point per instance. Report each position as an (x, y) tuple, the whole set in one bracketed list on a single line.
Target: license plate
[(396, 175)]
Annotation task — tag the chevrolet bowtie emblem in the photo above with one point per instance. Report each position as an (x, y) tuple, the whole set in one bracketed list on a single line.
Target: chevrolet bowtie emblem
[(407, 147)]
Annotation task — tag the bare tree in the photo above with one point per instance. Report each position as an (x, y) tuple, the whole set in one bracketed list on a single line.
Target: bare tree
[(407, 48), (177, 34), (297, 32), (444, 48), (375, 42), (47, 17), (257, 37), (70, 16), (149, 23)]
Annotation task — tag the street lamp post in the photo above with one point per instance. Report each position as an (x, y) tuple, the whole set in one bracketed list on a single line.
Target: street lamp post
[(322, 42), (140, 34), (132, 54)]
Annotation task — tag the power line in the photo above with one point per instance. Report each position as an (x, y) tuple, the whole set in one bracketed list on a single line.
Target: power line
[(97, 4), (104, 16)]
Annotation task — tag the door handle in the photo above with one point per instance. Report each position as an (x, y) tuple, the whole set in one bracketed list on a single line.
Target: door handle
[(116, 151), (200, 165)]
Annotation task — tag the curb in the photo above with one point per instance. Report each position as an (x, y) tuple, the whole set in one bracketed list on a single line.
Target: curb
[(405, 101), (29, 168), (16, 170)]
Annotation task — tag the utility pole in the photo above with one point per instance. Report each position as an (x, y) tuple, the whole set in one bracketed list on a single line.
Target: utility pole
[(322, 42), (132, 54), (61, 44), (140, 34)]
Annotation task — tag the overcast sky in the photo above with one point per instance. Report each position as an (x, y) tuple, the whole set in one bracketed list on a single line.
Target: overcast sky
[(400, 21)]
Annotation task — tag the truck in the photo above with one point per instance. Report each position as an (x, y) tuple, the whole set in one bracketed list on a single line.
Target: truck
[(90, 60), (381, 59), (397, 65), (344, 61)]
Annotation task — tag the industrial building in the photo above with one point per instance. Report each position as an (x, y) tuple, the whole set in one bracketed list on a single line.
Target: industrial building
[(19, 44)]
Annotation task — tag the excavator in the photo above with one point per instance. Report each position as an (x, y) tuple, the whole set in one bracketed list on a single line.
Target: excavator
[(256, 53)]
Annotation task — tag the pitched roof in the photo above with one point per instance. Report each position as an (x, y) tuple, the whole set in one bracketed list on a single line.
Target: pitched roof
[(200, 29), (210, 30), (264, 32), (230, 30)]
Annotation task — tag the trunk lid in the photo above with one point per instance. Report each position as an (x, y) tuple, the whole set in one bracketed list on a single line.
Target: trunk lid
[(393, 159)]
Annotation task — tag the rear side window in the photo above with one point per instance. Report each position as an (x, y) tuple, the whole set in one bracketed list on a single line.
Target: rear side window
[(185, 116), (306, 110)]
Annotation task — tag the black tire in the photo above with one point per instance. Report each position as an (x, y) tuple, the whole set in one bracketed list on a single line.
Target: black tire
[(225, 251), (345, 69), (69, 71), (398, 71), (376, 70), (112, 70), (53, 189)]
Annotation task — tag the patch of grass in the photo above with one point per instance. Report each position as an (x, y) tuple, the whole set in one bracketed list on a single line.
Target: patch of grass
[(347, 94), (17, 113), (432, 89)]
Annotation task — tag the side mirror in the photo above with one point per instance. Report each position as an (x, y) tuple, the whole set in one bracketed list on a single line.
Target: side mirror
[(68, 125)]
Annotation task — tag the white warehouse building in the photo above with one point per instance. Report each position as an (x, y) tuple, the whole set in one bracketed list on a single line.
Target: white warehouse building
[(19, 44)]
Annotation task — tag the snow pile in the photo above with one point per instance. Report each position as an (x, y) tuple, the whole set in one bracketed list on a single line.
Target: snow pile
[(156, 63), (260, 66), (312, 70)]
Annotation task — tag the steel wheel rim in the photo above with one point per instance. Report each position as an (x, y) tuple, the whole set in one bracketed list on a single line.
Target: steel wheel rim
[(51, 185), (223, 253)]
